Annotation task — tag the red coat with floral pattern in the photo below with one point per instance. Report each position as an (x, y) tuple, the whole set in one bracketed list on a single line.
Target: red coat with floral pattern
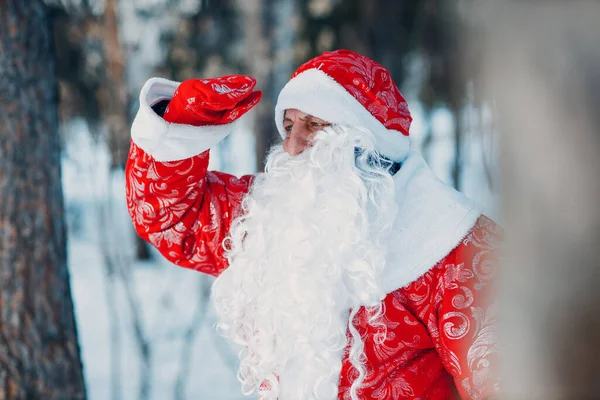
[(440, 341)]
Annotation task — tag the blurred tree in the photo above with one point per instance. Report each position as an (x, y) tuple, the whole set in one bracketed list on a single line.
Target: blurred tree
[(281, 28), (113, 94), (256, 50), (271, 31), (255, 37), (205, 42), (543, 71), (451, 63), (80, 62), (39, 352), (91, 66)]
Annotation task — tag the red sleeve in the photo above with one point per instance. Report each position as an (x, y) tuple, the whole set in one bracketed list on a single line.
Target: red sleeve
[(462, 322), (182, 209)]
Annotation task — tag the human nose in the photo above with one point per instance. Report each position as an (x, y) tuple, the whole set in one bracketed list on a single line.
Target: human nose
[(297, 141)]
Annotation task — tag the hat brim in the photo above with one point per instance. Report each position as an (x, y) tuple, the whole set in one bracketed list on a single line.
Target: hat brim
[(316, 93)]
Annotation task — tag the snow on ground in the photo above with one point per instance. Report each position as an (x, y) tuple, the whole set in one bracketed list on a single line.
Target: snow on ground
[(168, 296)]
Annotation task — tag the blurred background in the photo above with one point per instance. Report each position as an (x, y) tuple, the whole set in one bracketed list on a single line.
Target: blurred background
[(146, 326), (487, 82)]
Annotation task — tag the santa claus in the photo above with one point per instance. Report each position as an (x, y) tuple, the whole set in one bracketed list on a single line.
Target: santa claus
[(347, 269)]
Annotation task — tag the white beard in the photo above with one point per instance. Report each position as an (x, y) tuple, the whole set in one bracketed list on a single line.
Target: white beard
[(307, 250)]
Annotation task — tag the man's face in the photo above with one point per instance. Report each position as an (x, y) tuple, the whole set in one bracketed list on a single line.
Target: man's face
[(300, 128)]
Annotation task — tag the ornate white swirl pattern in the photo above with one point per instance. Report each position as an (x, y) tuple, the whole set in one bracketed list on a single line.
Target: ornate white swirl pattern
[(439, 331), (458, 327), (182, 209), (447, 329)]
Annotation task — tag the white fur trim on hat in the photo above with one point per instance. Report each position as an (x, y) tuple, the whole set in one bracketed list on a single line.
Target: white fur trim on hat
[(167, 141), (316, 93)]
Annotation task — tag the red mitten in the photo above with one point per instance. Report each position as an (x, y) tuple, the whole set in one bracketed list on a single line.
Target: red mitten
[(212, 101)]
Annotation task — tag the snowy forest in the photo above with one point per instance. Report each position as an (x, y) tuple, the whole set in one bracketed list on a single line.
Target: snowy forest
[(505, 104)]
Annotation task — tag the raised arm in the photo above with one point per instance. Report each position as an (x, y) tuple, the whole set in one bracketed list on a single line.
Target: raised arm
[(175, 204)]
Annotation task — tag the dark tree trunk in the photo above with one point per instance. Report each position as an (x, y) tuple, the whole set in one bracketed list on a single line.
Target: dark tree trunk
[(280, 34), (257, 32), (113, 96), (39, 352), (459, 127)]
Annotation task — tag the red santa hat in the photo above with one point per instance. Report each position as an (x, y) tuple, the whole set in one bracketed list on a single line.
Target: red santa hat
[(342, 87)]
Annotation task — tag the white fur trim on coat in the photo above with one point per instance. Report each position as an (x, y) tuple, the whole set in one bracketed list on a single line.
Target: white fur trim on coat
[(432, 220), (166, 141), (316, 93)]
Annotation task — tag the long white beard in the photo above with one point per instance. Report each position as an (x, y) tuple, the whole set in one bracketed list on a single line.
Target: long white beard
[(307, 250)]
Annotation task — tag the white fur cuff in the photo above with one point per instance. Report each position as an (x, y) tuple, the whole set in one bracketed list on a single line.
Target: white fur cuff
[(167, 141)]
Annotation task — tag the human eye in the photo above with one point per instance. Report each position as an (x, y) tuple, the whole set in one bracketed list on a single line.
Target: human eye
[(318, 124), (288, 128)]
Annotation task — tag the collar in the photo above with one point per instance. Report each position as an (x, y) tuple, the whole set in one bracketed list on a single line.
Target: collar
[(432, 220)]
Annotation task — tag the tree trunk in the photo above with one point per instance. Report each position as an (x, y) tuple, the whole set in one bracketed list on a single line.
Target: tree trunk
[(256, 51), (542, 71), (39, 352), (457, 162), (114, 93)]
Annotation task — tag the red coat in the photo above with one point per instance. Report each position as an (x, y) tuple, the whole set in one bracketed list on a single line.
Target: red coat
[(440, 339)]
